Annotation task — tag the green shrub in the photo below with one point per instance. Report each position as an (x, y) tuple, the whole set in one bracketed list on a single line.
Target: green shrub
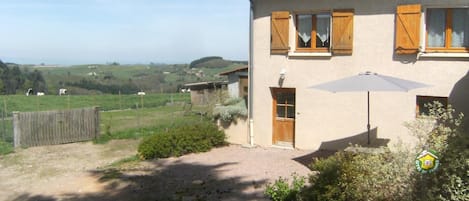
[(377, 174), (184, 139), (280, 190), (445, 135), (231, 109), (391, 175), (324, 185)]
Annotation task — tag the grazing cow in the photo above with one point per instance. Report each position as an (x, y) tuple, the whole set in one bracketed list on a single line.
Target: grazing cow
[(185, 90), (40, 94), (62, 92), (29, 92), (141, 93)]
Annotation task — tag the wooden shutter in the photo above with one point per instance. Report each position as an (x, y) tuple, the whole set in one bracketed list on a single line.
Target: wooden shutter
[(408, 29), (279, 32), (342, 32)]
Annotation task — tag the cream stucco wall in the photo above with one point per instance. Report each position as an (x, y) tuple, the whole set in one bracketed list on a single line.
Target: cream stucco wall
[(322, 116), (236, 132)]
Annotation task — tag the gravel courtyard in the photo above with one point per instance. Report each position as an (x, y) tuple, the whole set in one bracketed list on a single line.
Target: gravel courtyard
[(84, 171)]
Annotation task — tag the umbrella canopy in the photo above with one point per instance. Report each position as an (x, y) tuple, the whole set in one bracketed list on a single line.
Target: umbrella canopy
[(369, 82)]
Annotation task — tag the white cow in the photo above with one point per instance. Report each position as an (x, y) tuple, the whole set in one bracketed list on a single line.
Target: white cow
[(29, 92), (62, 92), (40, 94)]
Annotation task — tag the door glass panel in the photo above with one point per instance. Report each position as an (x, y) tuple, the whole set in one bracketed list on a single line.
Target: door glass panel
[(285, 98), (281, 98), (290, 111), (280, 111)]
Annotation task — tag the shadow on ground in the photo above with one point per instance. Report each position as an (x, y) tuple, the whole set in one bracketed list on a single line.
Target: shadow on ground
[(175, 181), (329, 148)]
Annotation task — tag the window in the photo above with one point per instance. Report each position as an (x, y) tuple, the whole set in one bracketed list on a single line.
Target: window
[(423, 101), (316, 33), (447, 29), (313, 32)]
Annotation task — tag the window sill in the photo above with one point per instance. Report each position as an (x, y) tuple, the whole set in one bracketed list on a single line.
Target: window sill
[(309, 54), (443, 55)]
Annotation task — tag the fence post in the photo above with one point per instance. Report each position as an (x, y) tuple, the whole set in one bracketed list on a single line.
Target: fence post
[(97, 118), (16, 129)]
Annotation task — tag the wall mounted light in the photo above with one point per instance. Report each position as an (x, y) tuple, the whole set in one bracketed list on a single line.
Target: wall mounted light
[(283, 72)]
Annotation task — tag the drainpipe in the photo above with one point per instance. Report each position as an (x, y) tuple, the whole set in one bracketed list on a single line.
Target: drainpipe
[(250, 72)]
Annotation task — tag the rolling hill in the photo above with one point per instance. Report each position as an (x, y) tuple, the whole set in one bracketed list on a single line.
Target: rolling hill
[(114, 78)]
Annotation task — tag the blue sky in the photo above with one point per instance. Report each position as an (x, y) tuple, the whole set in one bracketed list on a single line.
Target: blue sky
[(126, 31)]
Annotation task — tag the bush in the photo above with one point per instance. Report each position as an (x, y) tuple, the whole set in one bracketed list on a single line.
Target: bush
[(378, 175), (182, 140), (325, 184), (231, 109), (281, 191), (391, 175), (446, 136)]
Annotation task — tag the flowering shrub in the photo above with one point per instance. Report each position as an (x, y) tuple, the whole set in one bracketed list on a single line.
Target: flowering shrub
[(231, 109)]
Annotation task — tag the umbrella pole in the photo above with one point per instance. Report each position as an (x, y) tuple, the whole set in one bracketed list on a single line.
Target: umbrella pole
[(368, 125)]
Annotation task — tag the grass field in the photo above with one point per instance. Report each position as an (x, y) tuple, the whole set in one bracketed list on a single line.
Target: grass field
[(134, 124), (23, 103), (119, 117)]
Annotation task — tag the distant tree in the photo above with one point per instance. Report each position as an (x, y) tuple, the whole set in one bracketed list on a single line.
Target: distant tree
[(12, 79), (37, 81), (195, 63)]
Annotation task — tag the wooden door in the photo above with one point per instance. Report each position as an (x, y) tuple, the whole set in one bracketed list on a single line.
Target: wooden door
[(283, 116)]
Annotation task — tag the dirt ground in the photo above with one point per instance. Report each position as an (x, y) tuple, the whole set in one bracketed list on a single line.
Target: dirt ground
[(84, 171)]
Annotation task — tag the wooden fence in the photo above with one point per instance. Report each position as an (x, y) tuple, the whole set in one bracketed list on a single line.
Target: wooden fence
[(55, 127)]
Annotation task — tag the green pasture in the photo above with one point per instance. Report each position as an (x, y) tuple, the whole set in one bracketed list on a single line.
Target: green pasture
[(125, 124), (128, 123), (106, 102)]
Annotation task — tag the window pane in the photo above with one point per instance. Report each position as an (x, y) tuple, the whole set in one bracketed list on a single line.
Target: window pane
[(436, 23), (460, 26), (304, 30), (323, 27), (281, 98), (285, 98), (280, 111), (290, 112)]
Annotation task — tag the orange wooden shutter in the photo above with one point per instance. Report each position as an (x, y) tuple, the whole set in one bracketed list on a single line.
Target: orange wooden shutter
[(279, 32), (342, 32), (408, 29)]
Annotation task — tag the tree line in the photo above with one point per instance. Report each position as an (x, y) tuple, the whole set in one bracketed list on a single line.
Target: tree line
[(13, 80)]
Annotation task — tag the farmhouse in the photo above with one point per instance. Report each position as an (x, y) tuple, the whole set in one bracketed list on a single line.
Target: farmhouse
[(298, 44)]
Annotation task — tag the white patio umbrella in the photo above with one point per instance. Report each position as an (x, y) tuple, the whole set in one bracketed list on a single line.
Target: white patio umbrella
[(369, 81)]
